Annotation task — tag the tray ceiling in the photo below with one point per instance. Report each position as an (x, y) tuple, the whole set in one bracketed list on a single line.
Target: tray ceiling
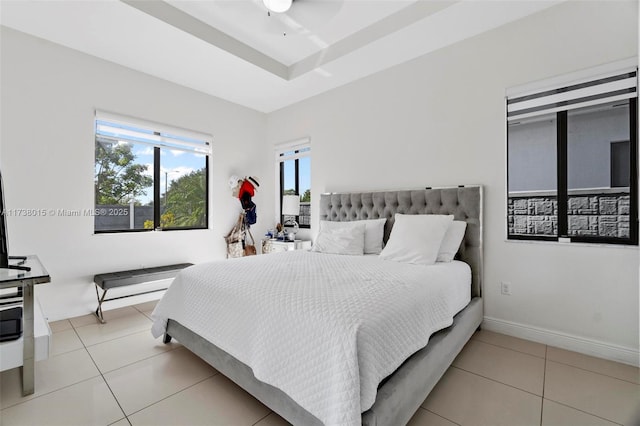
[(235, 50)]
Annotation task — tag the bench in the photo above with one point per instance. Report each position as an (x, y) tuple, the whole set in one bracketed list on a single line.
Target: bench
[(135, 276)]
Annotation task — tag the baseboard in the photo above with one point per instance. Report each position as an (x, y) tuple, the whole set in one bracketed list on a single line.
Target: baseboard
[(569, 342)]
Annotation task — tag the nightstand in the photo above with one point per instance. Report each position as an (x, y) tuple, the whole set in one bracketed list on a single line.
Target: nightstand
[(276, 246)]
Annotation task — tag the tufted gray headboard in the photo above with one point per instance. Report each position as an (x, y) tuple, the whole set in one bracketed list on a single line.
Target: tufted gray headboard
[(464, 203)]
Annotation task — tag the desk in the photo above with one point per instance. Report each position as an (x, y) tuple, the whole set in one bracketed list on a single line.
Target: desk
[(27, 280)]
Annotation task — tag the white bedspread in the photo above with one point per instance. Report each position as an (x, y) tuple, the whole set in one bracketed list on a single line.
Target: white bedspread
[(325, 329)]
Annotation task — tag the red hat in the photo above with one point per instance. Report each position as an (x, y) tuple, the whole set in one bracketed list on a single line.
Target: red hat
[(246, 187)]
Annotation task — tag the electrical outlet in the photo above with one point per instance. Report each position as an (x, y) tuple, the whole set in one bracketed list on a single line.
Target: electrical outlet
[(505, 288)]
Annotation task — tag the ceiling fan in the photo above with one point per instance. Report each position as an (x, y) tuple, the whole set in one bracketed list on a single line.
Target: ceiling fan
[(277, 6), (300, 16)]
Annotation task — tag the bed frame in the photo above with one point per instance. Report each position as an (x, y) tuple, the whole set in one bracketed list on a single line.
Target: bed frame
[(402, 393)]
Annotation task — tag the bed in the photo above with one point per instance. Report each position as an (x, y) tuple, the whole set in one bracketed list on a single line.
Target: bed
[(335, 368)]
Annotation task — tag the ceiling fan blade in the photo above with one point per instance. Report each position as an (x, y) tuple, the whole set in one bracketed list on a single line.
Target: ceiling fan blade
[(314, 14), (304, 16)]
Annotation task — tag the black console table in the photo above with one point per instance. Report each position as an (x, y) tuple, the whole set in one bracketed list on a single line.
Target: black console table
[(27, 280)]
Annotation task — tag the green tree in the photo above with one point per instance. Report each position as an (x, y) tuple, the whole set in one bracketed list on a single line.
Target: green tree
[(118, 179), (186, 199), (306, 197), (166, 221)]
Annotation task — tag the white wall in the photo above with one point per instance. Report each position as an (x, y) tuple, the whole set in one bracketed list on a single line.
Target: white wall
[(49, 94), (440, 120)]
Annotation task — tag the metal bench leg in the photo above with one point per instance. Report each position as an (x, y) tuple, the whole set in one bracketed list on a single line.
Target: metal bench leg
[(98, 313)]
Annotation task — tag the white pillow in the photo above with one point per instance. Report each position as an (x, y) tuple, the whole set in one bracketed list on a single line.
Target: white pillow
[(416, 238), (373, 232), (451, 241), (340, 240)]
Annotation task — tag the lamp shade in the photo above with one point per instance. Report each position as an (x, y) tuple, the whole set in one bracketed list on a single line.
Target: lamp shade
[(291, 205), (278, 6)]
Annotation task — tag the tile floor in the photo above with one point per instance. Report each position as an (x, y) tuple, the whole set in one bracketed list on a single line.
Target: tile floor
[(117, 374)]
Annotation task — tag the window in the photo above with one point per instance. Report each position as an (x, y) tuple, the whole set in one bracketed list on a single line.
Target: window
[(293, 162), (572, 161), (149, 176)]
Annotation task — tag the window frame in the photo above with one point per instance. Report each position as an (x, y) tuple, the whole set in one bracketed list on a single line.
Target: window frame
[(562, 192), (301, 148), (168, 137)]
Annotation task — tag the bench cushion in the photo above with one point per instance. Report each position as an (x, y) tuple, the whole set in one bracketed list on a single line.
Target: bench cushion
[(136, 276)]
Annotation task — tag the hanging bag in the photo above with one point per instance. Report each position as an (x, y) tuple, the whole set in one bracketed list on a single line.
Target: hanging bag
[(235, 238), (251, 215), (250, 249)]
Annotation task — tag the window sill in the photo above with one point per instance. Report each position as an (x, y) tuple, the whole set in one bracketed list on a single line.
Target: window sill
[(147, 231), (574, 244)]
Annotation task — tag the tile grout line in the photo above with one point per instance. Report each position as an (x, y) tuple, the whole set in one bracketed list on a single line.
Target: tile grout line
[(115, 338), (118, 421), (262, 418), (48, 393), (100, 373), (126, 416), (584, 412), (595, 372), (97, 321), (140, 360), (559, 362), (173, 394), (436, 414), (102, 376), (543, 387), (563, 404), (32, 398), (145, 312), (496, 381), (93, 316), (173, 348), (511, 349), (86, 348), (544, 382)]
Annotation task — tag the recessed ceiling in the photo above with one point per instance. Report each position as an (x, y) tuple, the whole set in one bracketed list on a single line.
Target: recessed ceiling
[(307, 28), (235, 50)]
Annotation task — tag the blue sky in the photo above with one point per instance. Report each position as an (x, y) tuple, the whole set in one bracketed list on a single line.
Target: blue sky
[(304, 169), (175, 163)]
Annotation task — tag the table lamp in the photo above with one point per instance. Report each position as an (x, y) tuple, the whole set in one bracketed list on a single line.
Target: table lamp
[(291, 207)]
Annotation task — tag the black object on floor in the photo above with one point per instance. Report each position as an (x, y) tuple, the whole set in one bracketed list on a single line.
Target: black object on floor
[(10, 324)]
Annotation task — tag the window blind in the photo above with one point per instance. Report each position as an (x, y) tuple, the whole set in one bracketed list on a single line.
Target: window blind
[(115, 128), (292, 150), (610, 87)]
